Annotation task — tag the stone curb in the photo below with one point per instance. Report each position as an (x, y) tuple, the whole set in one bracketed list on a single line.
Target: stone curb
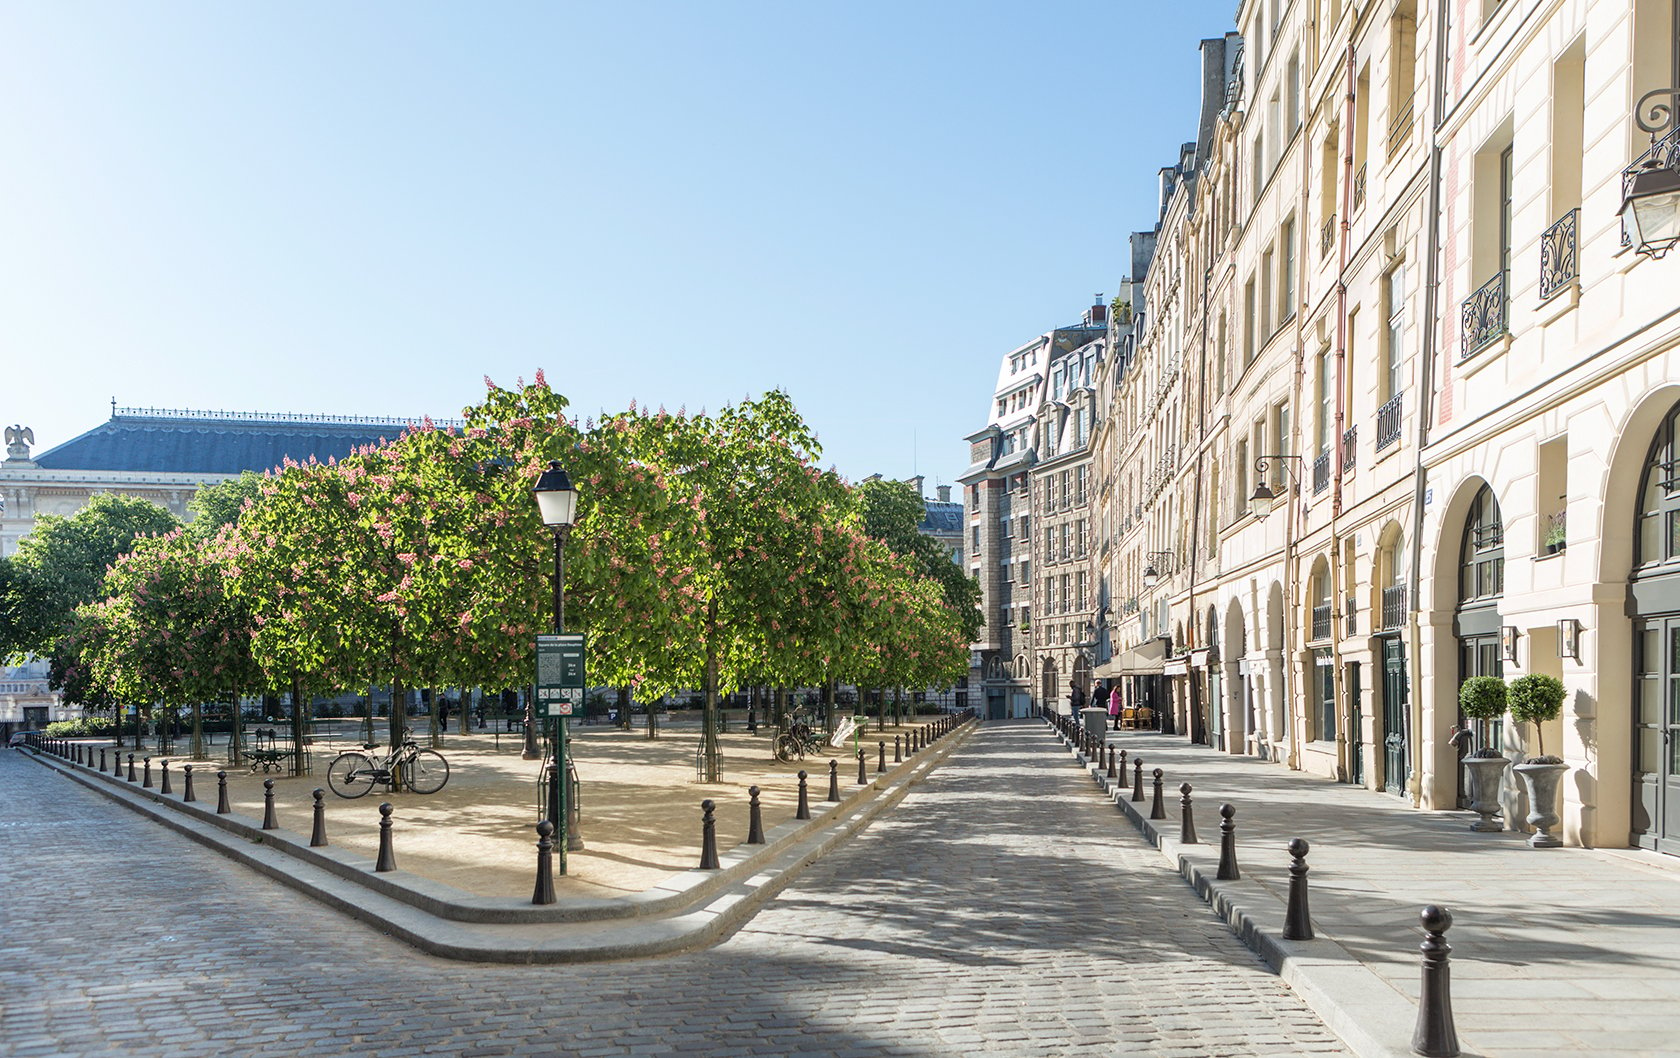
[(692, 909), (1370, 1016)]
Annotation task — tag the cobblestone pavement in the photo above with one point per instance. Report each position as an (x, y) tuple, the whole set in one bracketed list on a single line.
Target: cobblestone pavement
[(1002, 909)]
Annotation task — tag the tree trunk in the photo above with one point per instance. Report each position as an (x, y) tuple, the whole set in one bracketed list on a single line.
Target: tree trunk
[(712, 757), (398, 721), (432, 712), (829, 689), (367, 731), (624, 708), (198, 731)]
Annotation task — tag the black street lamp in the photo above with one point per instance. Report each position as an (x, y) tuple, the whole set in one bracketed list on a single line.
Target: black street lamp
[(1152, 574), (557, 503), (1264, 499), (1651, 185)]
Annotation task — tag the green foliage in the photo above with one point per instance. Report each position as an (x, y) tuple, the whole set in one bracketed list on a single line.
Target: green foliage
[(61, 564), (1482, 697), (84, 727), (1535, 699), (891, 512), (214, 506)]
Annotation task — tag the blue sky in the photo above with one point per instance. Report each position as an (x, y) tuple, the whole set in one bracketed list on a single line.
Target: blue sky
[(364, 208)]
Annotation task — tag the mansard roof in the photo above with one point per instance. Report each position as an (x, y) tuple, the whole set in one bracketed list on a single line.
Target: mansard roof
[(156, 441), (941, 516)]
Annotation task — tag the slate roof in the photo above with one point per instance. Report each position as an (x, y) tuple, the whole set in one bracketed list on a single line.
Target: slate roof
[(212, 443), (941, 517)]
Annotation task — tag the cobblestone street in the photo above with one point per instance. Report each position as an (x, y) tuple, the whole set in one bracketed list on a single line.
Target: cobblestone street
[(1002, 909)]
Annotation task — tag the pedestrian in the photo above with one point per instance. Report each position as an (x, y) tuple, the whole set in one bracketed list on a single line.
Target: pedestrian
[(443, 716), (1114, 707)]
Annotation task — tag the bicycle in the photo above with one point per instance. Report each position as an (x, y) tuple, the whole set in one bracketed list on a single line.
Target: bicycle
[(799, 739), (353, 773)]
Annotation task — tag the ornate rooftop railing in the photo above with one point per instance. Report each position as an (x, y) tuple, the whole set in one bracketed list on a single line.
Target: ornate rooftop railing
[(275, 417)]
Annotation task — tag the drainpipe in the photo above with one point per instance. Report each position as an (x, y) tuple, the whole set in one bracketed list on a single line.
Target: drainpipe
[(1426, 390), (1338, 432)]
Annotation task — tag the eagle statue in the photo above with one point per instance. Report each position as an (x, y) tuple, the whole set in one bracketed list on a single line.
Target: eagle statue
[(18, 440)]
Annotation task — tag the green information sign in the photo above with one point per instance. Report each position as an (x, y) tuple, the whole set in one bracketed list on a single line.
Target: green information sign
[(560, 674)]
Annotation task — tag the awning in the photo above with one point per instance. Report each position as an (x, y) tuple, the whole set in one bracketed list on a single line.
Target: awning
[(1179, 666), (1146, 659)]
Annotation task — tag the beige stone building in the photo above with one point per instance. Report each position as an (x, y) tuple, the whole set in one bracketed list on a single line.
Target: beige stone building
[(1401, 400)]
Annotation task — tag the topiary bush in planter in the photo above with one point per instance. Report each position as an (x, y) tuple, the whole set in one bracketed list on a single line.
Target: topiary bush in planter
[(1536, 699), (1482, 698)]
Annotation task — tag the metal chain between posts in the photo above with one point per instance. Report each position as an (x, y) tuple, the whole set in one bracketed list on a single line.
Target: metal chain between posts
[(318, 832), (1158, 807), (1297, 923), (1227, 844), (708, 837), (544, 891), (804, 810), (755, 818), (387, 860), (1435, 1035), (1187, 820)]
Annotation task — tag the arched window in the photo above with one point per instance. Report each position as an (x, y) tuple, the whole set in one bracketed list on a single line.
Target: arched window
[(1482, 560), (1658, 541), (1023, 667), (994, 668), (1320, 588)]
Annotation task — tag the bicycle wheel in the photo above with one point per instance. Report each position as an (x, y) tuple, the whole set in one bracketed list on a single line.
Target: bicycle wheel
[(351, 774), (426, 771), (785, 748)]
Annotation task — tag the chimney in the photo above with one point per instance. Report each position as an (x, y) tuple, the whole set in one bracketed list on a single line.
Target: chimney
[(944, 494), (916, 483), (1097, 314)]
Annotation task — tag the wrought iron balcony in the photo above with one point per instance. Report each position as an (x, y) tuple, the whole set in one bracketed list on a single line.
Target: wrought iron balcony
[(1400, 126), (1321, 622), (1350, 448), (1484, 316), (1388, 423), (1321, 473), (1359, 188), (1559, 262), (1393, 607), (1350, 616), (1327, 236)]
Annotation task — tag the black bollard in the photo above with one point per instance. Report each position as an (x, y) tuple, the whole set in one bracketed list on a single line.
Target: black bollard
[(318, 833), (1187, 821), (1137, 778), (1297, 923), (101, 759), (164, 786), (1158, 807), (863, 769), (116, 766), (187, 790), (387, 860), (804, 810), (544, 893), (1111, 772), (708, 837), (833, 779), (222, 806), (881, 758), (1435, 1035), (898, 749), (146, 774), (1122, 765), (131, 767), (269, 821), (755, 819), (1227, 844)]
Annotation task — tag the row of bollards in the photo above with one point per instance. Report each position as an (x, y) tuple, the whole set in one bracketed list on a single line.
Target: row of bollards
[(1434, 1035)]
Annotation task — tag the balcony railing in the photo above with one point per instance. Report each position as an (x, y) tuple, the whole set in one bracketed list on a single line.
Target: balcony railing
[(1388, 423), (1393, 607), (1321, 473), (1484, 316), (1327, 236), (1559, 263), (1400, 126), (1321, 622), (1350, 448), (1350, 616), (1359, 188)]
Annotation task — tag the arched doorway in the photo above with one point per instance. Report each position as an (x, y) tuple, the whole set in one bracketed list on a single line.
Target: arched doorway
[(1391, 611), (1052, 689), (1481, 585), (1654, 591)]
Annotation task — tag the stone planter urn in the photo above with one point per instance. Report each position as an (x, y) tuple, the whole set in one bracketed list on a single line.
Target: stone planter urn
[(1541, 782), (1486, 775)]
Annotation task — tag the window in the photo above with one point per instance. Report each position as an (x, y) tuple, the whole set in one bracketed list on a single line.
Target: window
[(1079, 476), (976, 545), (1286, 273), (1658, 541), (1239, 478), (1394, 350), (1026, 573), (1294, 90), (1081, 587), (1249, 323), (1482, 572), (1067, 593), (1324, 694), (1402, 78), (1266, 295), (1326, 408)]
